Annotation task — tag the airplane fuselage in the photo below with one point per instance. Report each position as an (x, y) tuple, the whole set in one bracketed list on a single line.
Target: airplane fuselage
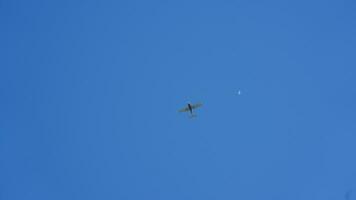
[(190, 108)]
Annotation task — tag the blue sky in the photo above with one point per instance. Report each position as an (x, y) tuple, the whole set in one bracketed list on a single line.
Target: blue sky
[(90, 92)]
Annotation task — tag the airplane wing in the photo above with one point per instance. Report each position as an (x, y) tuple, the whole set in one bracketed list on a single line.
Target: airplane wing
[(186, 109), (197, 105)]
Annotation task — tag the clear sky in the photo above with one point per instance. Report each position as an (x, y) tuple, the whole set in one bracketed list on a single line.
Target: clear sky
[(89, 94)]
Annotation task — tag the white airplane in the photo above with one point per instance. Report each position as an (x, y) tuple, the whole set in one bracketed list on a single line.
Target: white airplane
[(190, 108)]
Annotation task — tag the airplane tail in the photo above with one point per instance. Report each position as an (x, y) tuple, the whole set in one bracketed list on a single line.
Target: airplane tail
[(193, 115)]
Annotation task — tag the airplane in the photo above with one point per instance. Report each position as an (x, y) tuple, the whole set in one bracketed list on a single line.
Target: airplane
[(190, 108)]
